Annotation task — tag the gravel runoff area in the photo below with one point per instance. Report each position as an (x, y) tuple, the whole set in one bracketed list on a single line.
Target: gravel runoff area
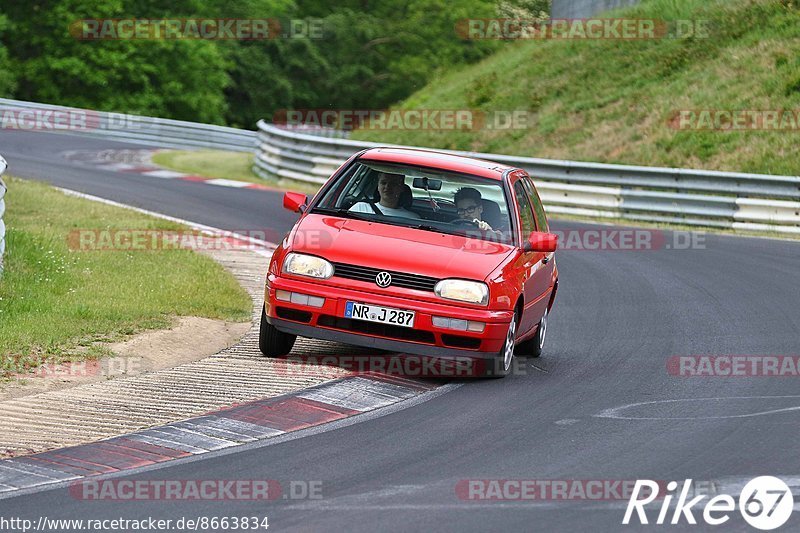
[(112, 407)]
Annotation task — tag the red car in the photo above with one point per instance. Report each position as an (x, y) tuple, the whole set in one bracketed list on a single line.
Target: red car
[(416, 252)]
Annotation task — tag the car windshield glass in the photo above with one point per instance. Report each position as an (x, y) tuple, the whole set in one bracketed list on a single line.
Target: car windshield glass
[(420, 198)]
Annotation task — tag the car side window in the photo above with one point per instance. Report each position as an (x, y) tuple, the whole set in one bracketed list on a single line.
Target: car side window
[(538, 208), (355, 188), (525, 211)]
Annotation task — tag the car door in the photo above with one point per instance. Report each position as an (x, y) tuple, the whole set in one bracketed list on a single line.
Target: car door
[(548, 269), (536, 273)]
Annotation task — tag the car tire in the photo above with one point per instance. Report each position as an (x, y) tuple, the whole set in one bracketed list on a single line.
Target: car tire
[(500, 366), (271, 342), (533, 347)]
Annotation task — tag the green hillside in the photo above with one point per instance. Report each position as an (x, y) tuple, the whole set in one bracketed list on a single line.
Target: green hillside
[(616, 101)]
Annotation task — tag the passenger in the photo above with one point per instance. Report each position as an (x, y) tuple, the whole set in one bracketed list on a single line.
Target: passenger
[(390, 188), (469, 206)]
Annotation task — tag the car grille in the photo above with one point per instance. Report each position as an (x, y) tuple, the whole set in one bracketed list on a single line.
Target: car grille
[(399, 279)]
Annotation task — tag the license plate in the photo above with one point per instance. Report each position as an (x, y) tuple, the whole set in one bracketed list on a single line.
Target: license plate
[(376, 313)]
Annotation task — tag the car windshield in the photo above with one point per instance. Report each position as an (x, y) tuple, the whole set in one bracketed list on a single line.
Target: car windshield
[(421, 198)]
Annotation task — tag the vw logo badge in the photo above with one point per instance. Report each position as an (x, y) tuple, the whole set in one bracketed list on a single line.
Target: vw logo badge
[(383, 279)]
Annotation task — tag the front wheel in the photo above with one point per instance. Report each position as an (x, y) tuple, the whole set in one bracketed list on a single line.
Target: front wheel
[(533, 347), (271, 342), (500, 365)]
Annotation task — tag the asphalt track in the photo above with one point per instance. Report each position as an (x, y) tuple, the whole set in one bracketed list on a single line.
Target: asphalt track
[(618, 318)]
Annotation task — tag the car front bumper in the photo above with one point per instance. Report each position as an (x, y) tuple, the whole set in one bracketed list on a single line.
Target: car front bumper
[(328, 323)]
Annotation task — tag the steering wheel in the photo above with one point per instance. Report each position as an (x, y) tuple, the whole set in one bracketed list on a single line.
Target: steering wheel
[(464, 222), (349, 201)]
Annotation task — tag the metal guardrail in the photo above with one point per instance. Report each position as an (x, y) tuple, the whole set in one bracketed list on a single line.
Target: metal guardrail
[(155, 132), (751, 202), (3, 189), (581, 9)]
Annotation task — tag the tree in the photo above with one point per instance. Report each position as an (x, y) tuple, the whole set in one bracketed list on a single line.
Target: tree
[(178, 79), (373, 53), (7, 78)]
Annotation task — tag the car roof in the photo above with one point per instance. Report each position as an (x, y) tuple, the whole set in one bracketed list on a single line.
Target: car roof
[(438, 160)]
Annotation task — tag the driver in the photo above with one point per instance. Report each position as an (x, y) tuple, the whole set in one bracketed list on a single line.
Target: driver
[(470, 207), (390, 188)]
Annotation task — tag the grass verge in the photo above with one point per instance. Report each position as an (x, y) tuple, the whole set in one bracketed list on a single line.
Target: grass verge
[(221, 164), (209, 163), (61, 304)]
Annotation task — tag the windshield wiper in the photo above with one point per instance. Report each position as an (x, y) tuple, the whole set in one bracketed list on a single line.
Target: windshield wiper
[(426, 227), (343, 213)]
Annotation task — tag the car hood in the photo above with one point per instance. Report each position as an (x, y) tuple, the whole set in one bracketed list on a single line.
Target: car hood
[(371, 244)]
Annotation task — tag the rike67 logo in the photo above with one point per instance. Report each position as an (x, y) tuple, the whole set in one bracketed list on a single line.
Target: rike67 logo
[(765, 503)]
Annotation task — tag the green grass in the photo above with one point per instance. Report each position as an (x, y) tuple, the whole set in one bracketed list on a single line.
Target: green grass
[(613, 101), (210, 163), (221, 164), (57, 303)]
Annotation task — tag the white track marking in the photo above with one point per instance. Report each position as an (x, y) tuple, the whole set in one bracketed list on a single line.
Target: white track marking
[(614, 412), (227, 183), (168, 174), (116, 167)]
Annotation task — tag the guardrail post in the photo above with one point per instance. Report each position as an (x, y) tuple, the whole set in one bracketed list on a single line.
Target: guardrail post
[(3, 166)]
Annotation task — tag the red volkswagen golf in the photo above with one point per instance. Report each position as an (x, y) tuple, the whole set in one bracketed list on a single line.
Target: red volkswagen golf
[(416, 252)]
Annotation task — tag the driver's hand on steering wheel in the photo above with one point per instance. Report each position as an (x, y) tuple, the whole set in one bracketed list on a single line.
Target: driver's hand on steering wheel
[(482, 225)]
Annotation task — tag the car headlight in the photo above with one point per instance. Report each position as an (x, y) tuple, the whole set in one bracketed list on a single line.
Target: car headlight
[(475, 292), (307, 265)]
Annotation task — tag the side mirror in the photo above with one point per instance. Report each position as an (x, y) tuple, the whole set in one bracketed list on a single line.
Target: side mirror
[(541, 242), (295, 201)]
